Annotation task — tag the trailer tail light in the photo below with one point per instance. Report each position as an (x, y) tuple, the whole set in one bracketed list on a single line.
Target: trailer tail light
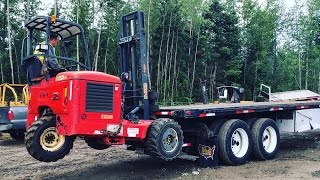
[(276, 109), (165, 113), (10, 114), (245, 111), (187, 145), (302, 107), (207, 115)]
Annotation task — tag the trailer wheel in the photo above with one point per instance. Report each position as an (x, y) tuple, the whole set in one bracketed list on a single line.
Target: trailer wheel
[(251, 121), (44, 143), (266, 139), (17, 135), (164, 139), (215, 126), (96, 143), (234, 142)]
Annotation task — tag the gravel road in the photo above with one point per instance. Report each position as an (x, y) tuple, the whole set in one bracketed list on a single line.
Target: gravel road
[(299, 158)]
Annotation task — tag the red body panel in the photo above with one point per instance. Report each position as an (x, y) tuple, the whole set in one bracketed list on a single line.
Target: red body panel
[(131, 130), (65, 95), (47, 94), (86, 123), (89, 76)]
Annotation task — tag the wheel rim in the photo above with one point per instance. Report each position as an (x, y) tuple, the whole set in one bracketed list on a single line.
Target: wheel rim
[(170, 140), (269, 139), (239, 142), (50, 140)]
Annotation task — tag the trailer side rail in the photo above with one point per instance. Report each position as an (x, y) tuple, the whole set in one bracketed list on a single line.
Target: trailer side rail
[(201, 111)]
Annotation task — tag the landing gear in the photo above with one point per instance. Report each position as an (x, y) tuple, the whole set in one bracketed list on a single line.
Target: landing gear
[(44, 143), (164, 139)]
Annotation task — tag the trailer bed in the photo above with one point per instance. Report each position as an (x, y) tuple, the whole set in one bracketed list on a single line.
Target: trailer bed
[(207, 110)]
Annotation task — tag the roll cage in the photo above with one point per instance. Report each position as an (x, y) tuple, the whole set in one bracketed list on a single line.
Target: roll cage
[(50, 25)]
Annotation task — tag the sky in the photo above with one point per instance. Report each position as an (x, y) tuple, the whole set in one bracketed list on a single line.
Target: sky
[(290, 3), (49, 3)]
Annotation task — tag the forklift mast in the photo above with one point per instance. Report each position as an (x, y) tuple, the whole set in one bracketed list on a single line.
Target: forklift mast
[(139, 100)]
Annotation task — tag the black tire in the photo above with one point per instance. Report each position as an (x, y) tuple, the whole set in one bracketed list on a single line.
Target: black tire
[(96, 143), (36, 137), (233, 135), (251, 121), (266, 139), (17, 135), (157, 131), (216, 125)]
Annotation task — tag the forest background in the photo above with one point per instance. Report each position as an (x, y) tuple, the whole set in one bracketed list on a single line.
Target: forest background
[(224, 42)]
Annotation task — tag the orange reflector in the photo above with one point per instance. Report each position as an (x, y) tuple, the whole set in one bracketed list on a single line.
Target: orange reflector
[(65, 92), (53, 18)]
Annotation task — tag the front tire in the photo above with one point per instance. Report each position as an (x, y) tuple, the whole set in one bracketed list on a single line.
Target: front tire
[(44, 143), (266, 139), (164, 139), (234, 142)]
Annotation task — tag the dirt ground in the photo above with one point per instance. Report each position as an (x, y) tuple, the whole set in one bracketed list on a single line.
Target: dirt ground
[(299, 158)]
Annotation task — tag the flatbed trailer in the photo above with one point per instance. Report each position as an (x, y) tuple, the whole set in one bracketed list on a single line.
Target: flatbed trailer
[(234, 109), (240, 129)]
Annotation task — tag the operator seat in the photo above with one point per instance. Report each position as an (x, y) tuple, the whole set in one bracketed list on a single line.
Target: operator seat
[(33, 67)]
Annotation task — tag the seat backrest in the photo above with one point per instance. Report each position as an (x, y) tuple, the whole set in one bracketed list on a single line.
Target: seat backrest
[(33, 67)]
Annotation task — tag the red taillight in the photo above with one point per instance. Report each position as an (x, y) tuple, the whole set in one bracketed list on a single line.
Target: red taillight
[(10, 114)]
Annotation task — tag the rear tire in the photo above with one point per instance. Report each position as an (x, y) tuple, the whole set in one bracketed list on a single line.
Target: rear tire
[(234, 142), (216, 125), (251, 121), (164, 139), (17, 135), (96, 143), (266, 139), (44, 143)]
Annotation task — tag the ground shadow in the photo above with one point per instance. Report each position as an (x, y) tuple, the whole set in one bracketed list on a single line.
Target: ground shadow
[(139, 168), (11, 142)]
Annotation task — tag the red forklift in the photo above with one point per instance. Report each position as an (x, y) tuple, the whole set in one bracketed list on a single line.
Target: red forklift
[(103, 109), (106, 110)]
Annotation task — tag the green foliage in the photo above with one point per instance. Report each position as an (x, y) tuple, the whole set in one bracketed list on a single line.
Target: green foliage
[(221, 43), (225, 42)]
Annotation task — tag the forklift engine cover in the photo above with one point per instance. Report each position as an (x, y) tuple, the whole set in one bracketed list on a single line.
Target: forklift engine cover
[(85, 102)]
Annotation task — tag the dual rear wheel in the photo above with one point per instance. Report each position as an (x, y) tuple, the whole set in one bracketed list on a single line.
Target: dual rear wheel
[(237, 141)]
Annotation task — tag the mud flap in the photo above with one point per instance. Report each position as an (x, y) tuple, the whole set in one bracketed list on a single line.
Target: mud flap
[(208, 152)]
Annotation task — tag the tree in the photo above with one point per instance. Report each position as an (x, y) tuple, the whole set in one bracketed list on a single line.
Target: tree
[(221, 46)]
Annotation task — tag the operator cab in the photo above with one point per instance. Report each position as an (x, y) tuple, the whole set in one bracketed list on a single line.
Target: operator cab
[(41, 27)]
